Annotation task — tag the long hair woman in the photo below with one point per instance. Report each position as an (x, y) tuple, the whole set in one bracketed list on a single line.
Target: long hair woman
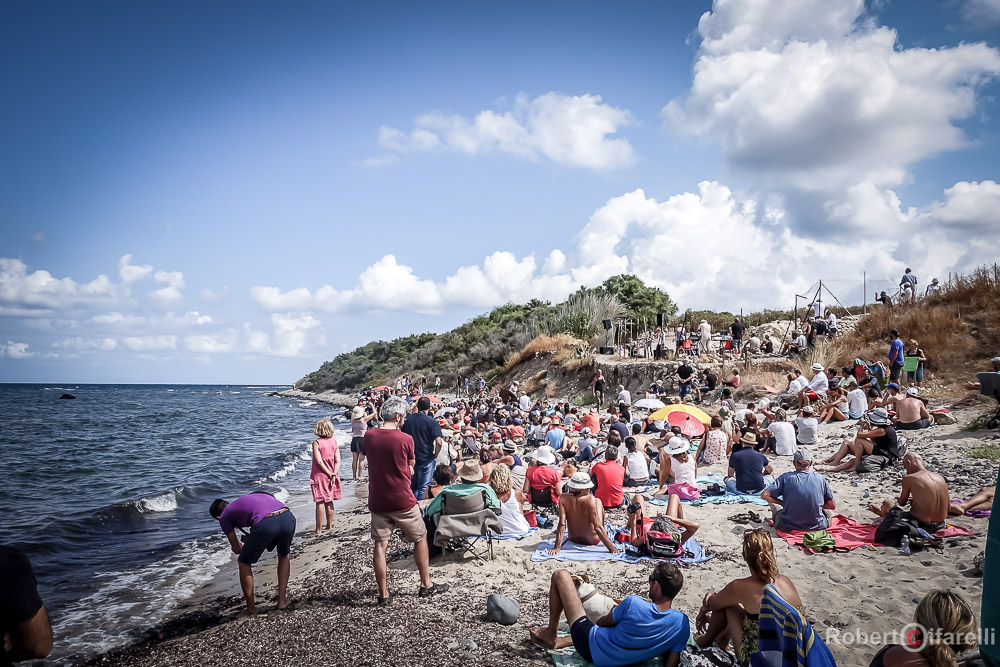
[(325, 476), (951, 627), (732, 613)]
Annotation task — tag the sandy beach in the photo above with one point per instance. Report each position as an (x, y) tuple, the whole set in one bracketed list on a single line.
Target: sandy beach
[(334, 618)]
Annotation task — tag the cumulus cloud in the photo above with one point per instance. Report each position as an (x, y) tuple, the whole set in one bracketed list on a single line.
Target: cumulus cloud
[(152, 343), (812, 93), (291, 336), (574, 130), (272, 298), (214, 295), (14, 350), (41, 290), (170, 294), (86, 344), (129, 272), (222, 343)]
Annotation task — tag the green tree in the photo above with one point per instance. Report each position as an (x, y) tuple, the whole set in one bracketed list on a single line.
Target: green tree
[(640, 300)]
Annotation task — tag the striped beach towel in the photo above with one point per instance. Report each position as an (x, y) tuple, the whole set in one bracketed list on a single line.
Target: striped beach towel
[(786, 638)]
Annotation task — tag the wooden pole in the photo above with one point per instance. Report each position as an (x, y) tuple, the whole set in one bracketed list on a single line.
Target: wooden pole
[(864, 292)]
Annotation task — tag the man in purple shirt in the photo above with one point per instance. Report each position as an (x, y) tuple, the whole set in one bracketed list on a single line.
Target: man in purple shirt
[(271, 524)]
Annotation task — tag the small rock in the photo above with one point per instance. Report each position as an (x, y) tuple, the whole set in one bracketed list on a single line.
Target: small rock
[(917, 599), (470, 645), (927, 563), (835, 579), (501, 609)]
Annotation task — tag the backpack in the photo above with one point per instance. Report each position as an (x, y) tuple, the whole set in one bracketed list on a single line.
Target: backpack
[(943, 417), (663, 539)]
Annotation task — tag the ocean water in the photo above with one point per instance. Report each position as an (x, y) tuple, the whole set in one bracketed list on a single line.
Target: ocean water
[(108, 494)]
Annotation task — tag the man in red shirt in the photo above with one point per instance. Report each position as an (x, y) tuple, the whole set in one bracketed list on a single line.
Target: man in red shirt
[(542, 482), (391, 457), (592, 420), (608, 476)]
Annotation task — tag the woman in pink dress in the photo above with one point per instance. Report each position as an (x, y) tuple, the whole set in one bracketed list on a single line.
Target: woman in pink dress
[(325, 477)]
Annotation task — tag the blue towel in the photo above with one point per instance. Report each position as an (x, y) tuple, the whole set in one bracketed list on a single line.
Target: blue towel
[(571, 551), (514, 536), (728, 499), (787, 639)]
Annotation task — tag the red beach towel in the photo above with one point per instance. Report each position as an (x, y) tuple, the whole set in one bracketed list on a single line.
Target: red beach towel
[(846, 532)]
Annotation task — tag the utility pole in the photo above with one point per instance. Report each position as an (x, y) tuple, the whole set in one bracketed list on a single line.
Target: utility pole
[(864, 292)]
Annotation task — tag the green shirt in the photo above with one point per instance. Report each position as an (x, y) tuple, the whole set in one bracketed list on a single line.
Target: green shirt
[(462, 490)]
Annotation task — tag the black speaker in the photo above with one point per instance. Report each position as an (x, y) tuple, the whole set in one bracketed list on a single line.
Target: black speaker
[(607, 325), (659, 319), (606, 350)]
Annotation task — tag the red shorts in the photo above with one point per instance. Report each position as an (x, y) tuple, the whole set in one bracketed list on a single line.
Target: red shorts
[(812, 395)]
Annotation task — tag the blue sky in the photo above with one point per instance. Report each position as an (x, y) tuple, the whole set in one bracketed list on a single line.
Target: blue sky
[(235, 192)]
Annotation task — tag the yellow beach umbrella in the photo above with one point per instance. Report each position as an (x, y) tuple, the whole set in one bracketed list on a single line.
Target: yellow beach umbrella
[(700, 415)]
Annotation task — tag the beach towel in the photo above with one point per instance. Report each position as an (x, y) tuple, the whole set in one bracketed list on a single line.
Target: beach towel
[(728, 499), (953, 531), (846, 533), (568, 657), (787, 639), (572, 551), (975, 514), (514, 536)]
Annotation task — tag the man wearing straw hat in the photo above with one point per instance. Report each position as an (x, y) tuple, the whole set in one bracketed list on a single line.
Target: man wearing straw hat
[(582, 514), (749, 470)]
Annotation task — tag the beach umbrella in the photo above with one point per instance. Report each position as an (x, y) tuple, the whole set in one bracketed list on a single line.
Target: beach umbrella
[(432, 399), (681, 407), (445, 411), (382, 387), (690, 425), (649, 404)]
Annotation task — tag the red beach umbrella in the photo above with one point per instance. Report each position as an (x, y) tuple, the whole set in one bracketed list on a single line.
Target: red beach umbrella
[(381, 388), (690, 426), (432, 399)]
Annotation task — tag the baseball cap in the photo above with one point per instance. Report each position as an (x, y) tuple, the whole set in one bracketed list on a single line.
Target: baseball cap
[(892, 385), (912, 391), (802, 454)]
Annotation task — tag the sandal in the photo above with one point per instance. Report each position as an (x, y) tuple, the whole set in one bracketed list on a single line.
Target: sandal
[(743, 517), (385, 602), (433, 589)]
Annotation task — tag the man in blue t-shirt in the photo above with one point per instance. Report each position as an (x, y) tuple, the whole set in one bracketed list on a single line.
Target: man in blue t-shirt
[(747, 467), (896, 359), (427, 441), (798, 498), (555, 437), (633, 632)]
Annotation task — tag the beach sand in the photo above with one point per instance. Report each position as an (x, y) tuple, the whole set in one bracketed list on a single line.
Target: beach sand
[(334, 619)]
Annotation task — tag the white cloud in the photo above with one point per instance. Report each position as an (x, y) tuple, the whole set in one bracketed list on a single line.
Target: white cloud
[(213, 296), (116, 318), (129, 272), (171, 294), (40, 290), (567, 129), (982, 11), (153, 343), (84, 344), (194, 317), (812, 94), (272, 298), (290, 336), (211, 343), (14, 350)]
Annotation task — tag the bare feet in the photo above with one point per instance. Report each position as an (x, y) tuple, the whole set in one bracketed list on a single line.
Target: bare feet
[(541, 636), (245, 614), (956, 510), (282, 607), (316, 533)]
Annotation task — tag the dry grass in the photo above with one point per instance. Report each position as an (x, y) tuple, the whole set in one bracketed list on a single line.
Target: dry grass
[(532, 384), (959, 327), (578, 364), (562, 346)]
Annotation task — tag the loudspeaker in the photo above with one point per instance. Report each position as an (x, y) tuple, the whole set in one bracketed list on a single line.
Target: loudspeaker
[(606, 350), (607, 325), (659, 319)]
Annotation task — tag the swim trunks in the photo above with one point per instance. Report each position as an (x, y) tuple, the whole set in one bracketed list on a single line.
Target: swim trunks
[(273, 531)]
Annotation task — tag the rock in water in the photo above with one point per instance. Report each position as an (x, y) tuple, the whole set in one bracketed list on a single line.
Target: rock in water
[(67, 396), (502, 610)]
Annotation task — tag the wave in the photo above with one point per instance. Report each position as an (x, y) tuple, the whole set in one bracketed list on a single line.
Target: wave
[(306, 404), (59, 388), (165, 502)]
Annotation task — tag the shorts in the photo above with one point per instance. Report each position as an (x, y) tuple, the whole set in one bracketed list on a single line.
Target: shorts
[(580, 632), (895, 371), (272, 532), (929, 527), (812, 395), (913, 426), (409, 523), (356, 444)]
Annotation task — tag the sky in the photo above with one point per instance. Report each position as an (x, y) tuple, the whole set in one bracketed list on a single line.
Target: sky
[(234, 192)]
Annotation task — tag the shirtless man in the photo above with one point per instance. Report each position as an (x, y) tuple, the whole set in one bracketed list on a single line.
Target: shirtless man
[(911, 413), (981, 502), (583, 514), (925, 491)]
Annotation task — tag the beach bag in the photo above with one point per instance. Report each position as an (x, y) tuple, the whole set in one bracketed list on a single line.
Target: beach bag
[(894, 527), (943, 417), (684, 491), (873, 462), (818, 540), (714, 489), (663, 539)]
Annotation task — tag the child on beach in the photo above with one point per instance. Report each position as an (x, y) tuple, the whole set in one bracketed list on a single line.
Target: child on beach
[(325, 477)]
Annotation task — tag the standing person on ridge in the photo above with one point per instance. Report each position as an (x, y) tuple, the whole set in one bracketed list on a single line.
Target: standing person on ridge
[(324, 479)]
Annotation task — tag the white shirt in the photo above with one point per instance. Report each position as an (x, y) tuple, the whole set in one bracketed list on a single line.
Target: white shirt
[(807, 429), (524, 403), (784, 437), (796, 385), (742, 413), (625, 397), (754, 344), (801, 342), (705, 330), (832, 320), (819, 383), (857, 401)]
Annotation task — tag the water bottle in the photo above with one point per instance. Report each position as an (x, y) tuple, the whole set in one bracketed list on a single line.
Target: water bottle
[(904, 547)]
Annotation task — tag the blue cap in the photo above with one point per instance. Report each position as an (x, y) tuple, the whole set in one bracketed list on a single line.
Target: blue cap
[(892, 385)]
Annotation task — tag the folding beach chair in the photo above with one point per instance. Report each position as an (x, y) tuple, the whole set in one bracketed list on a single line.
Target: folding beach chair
[(463, 521)]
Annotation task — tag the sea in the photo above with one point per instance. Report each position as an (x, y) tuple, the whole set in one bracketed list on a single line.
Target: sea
[(108, 494)]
